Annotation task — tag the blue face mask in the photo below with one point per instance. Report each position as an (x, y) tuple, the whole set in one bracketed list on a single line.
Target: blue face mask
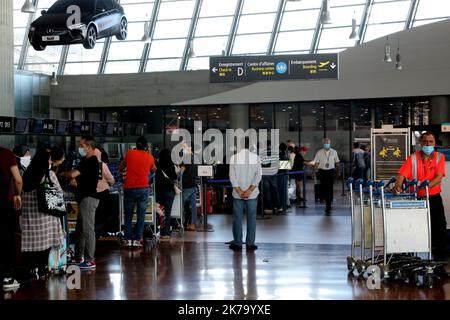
[(326, 145), (82, 152), (428, 149)]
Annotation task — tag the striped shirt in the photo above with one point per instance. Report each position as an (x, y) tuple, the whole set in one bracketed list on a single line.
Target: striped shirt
[(269, 161)]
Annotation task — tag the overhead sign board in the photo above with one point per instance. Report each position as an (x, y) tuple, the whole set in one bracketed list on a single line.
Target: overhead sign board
[(278, 67)]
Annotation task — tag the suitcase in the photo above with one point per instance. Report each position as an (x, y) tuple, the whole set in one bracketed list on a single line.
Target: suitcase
[(58, 257)]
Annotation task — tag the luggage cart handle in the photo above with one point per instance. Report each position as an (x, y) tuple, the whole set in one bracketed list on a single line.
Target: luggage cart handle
[(380, 184), (412, 183), (424, 184), (370, 183), (359, 182), (349, 181)]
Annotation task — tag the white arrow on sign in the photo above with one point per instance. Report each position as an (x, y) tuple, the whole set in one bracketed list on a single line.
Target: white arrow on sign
[(214, 69), (333, 65)]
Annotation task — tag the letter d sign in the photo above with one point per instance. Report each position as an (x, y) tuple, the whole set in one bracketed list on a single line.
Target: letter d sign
[(240, 71), (74, 277)]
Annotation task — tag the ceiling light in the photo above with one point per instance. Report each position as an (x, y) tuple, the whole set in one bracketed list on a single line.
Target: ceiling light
[(387, 51), (398, 62), (145, 37), (354, 35), (325, 18), (54, 81), (28, 7)]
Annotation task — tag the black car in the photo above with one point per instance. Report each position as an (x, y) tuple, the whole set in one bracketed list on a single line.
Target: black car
[(98, 19)]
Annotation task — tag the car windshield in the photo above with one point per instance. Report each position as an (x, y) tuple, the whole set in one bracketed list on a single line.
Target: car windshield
[(62, 5)]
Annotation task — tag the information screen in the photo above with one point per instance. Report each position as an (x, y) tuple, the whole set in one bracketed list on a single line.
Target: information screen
[(38, 126), (21, 125), (63, 127)]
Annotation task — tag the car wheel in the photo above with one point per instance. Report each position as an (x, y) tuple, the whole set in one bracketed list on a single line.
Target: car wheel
[(91, 38), (123, 30), (38, 47)]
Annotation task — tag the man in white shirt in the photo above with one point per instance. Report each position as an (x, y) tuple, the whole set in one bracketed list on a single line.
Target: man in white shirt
[(326, 161), (245, 175)]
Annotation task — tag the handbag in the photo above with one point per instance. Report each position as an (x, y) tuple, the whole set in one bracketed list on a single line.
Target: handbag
[(175, 186), (50, 199)]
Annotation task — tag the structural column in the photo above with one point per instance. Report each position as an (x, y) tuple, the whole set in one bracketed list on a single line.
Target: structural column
[(239, 116), (6, 58)]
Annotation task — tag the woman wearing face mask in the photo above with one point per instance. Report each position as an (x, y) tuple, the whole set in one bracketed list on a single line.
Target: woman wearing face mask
[(23, 157), (40, 231)]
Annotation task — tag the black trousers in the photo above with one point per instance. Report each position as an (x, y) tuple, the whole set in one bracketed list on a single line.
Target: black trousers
[(8, 225), (438, 228), (326, 178)]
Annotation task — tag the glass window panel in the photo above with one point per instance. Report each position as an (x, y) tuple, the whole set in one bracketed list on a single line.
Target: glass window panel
[(19, 33), (336, 38), (258, 6), (337, 119), (256, 23), (41, 68), (423, 22), (255, 43), (389, 12), (362, 119), (198, 63), (217, 7), (81, 68), (261, 116), (296, 20), (138, 12), (311, 126), (20, 19), (292, 52), (172, 29), (336, 3), (389, 112), (211, 46), (420, 112), (213, 26), (51, 54), (335, 50), (78, 53), (163, 65), (287, 121), (124, 50), (122, 66), (17, 50), (135, 31), (167, 48), (380, 30), (433, 8), (296, 40), (343, 16), (135, 1), (303, 4), (218, 117), (176, 10)]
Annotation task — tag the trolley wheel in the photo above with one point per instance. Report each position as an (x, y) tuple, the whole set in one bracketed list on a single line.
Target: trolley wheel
[(350, 263), (360, 267)]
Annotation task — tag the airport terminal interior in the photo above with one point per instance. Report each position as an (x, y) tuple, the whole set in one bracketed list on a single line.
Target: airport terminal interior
[(366, 79)]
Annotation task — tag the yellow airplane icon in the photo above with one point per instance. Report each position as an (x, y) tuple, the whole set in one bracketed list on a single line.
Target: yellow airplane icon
[(324, 64)]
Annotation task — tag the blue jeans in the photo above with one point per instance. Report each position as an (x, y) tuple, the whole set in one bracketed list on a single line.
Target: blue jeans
[(238, 211), (190, 195), (138, 196), (167, 198)]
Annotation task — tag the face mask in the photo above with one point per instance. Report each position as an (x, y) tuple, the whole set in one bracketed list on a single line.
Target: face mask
[(326, 145), (82, 152), (428, 149), (25, 161)]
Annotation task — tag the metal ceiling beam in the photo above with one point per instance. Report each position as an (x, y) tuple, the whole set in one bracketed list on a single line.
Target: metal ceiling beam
[(364, 21), (276, 27), (411, 14), (317, 32), (25, 42), (190, 36), (234, 27), (151, 32), (63, 59)]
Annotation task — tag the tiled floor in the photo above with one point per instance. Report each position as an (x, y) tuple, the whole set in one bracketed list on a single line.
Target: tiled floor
[(301, 255)]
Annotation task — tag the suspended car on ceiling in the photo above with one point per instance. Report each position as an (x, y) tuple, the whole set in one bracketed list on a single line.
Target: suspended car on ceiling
[(60, 25)]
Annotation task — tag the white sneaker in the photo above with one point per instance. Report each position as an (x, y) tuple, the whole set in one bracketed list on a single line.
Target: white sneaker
[(10, 284), (127, 243), (137, 243)]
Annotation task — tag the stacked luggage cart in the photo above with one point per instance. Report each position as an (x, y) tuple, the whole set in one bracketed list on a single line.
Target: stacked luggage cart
[(391, 233)]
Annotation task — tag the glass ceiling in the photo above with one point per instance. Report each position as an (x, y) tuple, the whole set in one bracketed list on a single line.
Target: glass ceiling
[(221, 27)]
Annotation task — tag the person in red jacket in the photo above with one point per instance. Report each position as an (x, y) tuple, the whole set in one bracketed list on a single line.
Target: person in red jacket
[(139, 163), (428, 164)]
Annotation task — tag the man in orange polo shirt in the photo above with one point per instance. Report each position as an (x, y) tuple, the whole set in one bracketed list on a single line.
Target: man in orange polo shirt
[(139, 164), (429, 165)]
